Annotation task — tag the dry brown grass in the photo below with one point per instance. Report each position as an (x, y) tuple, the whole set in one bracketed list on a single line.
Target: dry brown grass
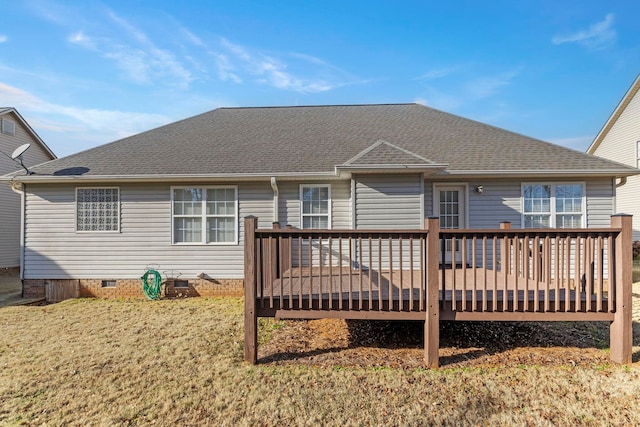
[(98, 362)]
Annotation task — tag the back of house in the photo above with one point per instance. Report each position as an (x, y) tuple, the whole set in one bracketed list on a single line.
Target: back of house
[(173, 198), (15, 132), (619, 140)]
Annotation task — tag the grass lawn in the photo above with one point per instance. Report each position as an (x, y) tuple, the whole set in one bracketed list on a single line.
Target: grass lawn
[(100, 362)]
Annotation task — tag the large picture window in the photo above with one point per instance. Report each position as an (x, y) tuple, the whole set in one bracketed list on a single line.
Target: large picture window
[(97, 209), (553, 205), (315, 209), (203, 215)]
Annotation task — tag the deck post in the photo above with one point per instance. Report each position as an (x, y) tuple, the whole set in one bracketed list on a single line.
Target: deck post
[(275, 264), (504, 248), (250, 318), (620, 332), (432, 319)]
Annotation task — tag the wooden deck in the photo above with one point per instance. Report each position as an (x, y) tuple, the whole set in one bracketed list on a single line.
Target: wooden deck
[(354, 291), (507, 275)]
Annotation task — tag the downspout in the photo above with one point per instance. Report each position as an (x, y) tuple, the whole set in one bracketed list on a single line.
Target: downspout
[(276, 192), (617, 185), (21, 189)]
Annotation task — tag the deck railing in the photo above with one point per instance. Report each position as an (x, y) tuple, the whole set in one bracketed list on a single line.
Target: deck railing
[(433, 274)]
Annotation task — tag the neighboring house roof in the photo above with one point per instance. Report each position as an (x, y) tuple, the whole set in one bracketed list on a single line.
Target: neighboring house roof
[(624, 102), (7, 110), (322, 141)]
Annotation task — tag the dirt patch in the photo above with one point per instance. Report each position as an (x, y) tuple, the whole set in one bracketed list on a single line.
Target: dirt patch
[(336, 342)]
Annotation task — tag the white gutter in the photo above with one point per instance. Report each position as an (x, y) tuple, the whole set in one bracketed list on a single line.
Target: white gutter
[(20, 189), (35, 178), (276, 192)]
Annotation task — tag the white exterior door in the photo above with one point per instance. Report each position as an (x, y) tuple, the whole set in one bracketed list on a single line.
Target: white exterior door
[(450, 206)]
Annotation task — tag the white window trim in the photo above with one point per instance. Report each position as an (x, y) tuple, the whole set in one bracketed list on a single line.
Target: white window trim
[(329, 210), (119, 210), (8, 127), (204, 216), (638, 154), (552, 201)]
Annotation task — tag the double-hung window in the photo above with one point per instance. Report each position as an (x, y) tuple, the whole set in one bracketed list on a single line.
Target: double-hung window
[(98, 209), (553, 205), (205, 215), (638, 154), (315, 209)]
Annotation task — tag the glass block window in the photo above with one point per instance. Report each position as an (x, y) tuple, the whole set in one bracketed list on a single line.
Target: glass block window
[(97, 209), (205, 215), (315, 201), (553, 205)]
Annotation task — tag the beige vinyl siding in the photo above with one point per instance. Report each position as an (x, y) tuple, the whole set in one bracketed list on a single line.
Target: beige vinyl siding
[(289, 211), (56, 251), (289, 202), (9, 200), (388, 201), (620, 145)]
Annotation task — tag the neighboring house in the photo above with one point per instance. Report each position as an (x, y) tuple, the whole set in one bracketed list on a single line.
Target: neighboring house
[(619, 140), (174, 197), (14, 132)]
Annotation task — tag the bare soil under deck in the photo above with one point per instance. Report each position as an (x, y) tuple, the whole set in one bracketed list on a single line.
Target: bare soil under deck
[(337, 342)]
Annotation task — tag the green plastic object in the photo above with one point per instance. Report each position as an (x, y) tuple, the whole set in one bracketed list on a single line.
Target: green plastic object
[(151, 290)]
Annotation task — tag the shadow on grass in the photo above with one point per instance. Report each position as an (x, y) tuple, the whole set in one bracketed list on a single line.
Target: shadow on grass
[(460, 341)]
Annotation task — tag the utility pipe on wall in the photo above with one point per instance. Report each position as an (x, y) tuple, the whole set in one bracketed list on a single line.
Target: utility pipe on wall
[(276, 192)]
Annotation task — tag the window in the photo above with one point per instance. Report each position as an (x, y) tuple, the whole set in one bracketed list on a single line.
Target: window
[(638, 154), (8, 127), (203, 215), (315, 201), (97, 209), (108, 283), (553, 205)]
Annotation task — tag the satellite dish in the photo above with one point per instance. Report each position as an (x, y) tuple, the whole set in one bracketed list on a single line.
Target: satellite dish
[(17, 155), (20, 151)]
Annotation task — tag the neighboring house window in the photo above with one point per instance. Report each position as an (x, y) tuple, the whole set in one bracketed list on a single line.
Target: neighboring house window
[(315, 201), (98, 209), (8, 127), (553, 205), (205, 215), (638, 154)]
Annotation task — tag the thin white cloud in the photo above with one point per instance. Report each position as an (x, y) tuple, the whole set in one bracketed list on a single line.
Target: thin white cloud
[(468, 92), (269, 70), (597, 36), (63, 118), (484, 87), (81, 39), (3, 38), (437, 73)]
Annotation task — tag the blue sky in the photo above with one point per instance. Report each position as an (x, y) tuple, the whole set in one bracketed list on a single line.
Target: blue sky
[(84, 73)]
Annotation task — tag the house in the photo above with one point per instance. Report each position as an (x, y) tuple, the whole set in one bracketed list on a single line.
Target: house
[(15, 132), (173, 198), (619, 140)]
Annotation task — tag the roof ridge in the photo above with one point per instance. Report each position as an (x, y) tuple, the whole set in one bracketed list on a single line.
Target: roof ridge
[(319, 106), (380, 142)]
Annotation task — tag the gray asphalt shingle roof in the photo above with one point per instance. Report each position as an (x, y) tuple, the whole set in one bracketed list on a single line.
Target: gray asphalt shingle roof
[(280, 140)]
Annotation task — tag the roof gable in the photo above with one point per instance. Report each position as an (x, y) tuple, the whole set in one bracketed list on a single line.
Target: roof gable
[(10, 110), (611, 121), (385, 153)]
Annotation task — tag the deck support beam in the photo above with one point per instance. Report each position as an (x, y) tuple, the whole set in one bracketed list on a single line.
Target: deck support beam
[(250, 309), (620, 333), (432, 319)]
